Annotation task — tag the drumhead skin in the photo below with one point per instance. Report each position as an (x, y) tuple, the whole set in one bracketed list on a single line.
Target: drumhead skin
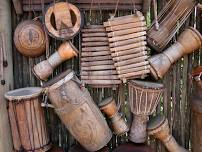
[(147, 85), (155, 122), (23, 93), (30, 39)]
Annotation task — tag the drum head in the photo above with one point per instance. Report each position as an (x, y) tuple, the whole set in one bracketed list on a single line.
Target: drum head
[(147, 85), (23, 93), (155, 122)]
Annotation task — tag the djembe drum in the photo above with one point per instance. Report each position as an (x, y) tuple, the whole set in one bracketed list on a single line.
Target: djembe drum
[(189, 40), (45, 68), (97, 66), (170, 19), (143, 98), (68, 20), (127, 42), (108, 106), (159, 129), (27, 120), (30, 39), (77, 110), (196, 108)]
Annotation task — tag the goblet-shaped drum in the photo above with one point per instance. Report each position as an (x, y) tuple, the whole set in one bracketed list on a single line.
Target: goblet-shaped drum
[(78, 112), (196, 107), (45, 68), (189, 40), (108, 106), (30, 39), (159, 129), (170, 19), (143, 98), (27, 120), (68, 20)]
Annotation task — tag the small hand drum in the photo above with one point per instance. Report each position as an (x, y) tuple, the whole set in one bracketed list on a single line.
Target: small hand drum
[(30, 39), (158, 127), (63, 20), (143, 97)]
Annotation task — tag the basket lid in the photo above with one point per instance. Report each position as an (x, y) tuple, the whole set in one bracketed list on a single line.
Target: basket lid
[(147, 85), (23, 93), (155, 122), (59, 79)]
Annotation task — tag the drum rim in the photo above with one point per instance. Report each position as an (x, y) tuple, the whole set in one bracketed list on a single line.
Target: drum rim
[(146, 85), (37, 91), (105, 102), (59, 80), (162, 120)]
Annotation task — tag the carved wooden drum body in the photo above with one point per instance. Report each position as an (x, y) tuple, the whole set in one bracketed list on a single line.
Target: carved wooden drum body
[(97, 66), (143, 98), (78, 112), (30, 39), (27, 120), (170, 19)]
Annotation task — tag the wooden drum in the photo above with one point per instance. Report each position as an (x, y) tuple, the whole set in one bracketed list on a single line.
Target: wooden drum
[(158, 127), (78, 112), (143, 98), (27, 120)]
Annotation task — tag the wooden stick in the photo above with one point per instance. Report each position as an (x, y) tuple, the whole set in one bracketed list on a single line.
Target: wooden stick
[(132, 66), (84, 54), (127, 47), (130, 56), (95, 39), (106, 62), (99, 67), (132, 74), (123, 20), (126, 37), (134, 69), (94, 30), (94, 49), (95, 44), (99, 73), (130, 61), (102, 82), (129, 41), (127, 31), (94, 35), (126, 26), (97, 58), (107, 77), (128, 52)]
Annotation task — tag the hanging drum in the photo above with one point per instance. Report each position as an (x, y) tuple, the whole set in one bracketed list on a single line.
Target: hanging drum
[(158, 128), (45, 68), (63, 20), (30, 39), (170, 19), (189, 41), (78, 112), (127, 42), (196, 108), (27, 120), (143, 98), (108, 106), (97, 66)]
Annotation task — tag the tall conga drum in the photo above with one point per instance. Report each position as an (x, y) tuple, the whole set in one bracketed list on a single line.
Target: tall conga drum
[(77, 110), (196, 108), (158, 128), (27, 120), (143, 97)]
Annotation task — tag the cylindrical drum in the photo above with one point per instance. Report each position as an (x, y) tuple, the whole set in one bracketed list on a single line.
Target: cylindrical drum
[(78, 112), (27, 120), (143, 98), (196, 107)]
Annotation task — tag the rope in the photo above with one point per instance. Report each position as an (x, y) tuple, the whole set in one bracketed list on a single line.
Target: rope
[(117, 4), (90, 14)]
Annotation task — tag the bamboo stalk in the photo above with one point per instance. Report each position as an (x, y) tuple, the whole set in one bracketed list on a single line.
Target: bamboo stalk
[(127, 47), (130, 61), (94, 34), (127, 31), (99, 73), (97, 58), (102, 82), (99, 48), (130, 56), (94, 30), (107, 77), (132, 74), (106, 62), (132, 66), (126, 37), (147, 67), (99, 67), (95, 39), (128, 41), (84, 54), (88, 44)]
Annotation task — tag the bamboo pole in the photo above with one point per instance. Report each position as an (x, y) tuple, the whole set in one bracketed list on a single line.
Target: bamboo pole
[(5, 30)]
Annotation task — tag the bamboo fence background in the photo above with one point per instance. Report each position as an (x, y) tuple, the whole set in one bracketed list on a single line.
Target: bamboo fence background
[(175, 103)]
